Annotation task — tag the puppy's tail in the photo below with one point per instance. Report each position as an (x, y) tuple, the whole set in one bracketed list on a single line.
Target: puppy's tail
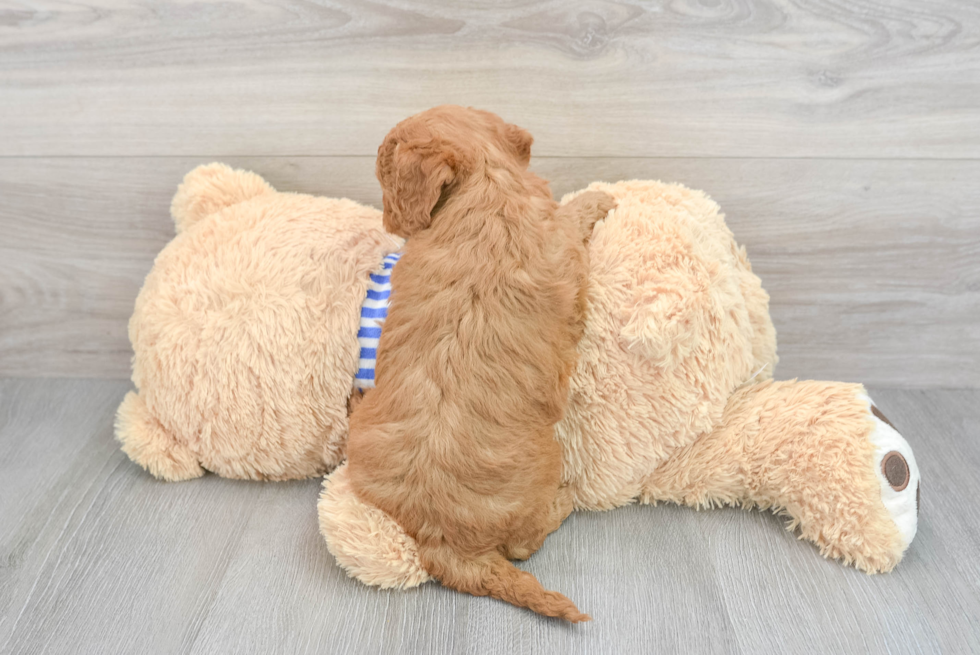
[(494, 575)]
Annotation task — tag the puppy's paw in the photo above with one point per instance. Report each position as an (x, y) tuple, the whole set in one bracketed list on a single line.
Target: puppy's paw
[(589, 208), (596, 205), (605, 203)]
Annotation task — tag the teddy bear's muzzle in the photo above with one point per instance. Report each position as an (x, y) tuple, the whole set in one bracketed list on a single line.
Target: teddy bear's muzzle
[(897, 473)]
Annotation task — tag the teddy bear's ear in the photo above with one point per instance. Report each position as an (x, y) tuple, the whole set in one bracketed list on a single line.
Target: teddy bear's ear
[(212, 187)]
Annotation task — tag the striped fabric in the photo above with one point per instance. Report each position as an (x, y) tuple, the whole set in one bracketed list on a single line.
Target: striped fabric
[(373, 314)]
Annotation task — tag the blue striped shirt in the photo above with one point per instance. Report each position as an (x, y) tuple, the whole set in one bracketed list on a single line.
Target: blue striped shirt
[(374, 311)]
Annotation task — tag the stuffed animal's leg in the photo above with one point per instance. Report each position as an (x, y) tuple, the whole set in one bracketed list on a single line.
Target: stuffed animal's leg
[(367, 543), (818, 451), (147, 443)]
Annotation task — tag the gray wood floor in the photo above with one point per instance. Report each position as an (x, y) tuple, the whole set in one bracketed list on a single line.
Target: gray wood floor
[(98, 557)]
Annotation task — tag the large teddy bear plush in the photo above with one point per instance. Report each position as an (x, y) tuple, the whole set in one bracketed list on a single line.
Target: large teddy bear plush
[(245, 341)]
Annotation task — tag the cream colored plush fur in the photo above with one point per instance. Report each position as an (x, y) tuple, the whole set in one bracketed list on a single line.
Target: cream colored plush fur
[(244, 331), (245, 349), (676, 322)]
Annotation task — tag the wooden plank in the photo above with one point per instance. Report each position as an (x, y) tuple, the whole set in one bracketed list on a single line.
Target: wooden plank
[(760, 78), (95, 556), (873, 266)]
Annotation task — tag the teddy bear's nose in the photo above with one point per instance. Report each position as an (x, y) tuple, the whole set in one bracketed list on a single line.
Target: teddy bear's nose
[(896, 470)]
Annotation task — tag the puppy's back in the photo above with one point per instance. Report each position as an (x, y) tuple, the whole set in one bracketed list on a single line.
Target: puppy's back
[(456, 440)]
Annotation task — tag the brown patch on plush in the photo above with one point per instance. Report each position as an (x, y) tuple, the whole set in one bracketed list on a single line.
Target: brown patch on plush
[(896, 470), (882, 417), (456, 442)]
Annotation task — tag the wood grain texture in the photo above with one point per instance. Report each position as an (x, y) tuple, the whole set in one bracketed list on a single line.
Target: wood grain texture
[(96, 556), (773, 78), (873, 266)]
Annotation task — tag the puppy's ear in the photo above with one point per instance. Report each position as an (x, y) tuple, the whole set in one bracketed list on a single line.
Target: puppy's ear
[(412, 176), (520, 140)]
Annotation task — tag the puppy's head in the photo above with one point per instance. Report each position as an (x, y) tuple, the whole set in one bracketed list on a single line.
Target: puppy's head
[(426, 155)]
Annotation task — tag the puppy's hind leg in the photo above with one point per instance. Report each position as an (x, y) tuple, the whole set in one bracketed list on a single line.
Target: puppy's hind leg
[(585, 210), (562, 507), (557, 513)]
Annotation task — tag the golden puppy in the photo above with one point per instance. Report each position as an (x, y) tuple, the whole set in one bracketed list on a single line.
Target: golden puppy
[(488, 301)]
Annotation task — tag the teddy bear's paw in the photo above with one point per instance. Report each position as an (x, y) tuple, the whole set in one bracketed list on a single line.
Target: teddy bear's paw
[(366, 542), (148, 443), (897, 474)]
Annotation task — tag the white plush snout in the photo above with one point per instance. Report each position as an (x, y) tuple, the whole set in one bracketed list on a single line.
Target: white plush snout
[(898, 474)]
